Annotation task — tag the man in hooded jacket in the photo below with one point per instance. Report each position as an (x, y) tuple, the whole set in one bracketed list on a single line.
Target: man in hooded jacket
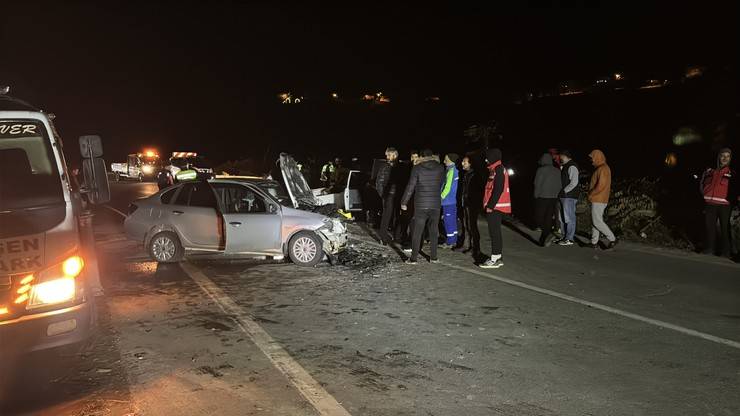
[(598, 195), (547, 184), (424, 184), (496, 203)]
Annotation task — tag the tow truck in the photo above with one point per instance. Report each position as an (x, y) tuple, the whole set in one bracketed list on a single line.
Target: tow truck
[(46, 246), (138, 166)]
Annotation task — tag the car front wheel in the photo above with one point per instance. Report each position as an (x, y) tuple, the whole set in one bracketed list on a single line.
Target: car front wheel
[(305, 249), (165, 247)]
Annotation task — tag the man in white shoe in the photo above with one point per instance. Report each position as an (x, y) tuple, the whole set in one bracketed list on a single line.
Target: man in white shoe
[(568, 197)]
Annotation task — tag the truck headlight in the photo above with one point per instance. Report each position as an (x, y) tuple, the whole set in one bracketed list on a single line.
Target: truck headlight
[(56, 284), (148, 169)]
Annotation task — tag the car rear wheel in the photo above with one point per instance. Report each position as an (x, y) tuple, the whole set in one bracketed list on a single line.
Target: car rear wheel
[(165, 247), (305, 249)]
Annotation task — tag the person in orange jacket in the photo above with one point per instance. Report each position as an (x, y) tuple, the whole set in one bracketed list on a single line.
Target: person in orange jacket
[(598, 195)]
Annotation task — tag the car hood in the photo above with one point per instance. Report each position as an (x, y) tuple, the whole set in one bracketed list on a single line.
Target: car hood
[(300, 192)]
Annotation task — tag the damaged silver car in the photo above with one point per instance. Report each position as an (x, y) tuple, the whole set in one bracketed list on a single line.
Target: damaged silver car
[(235, 217)]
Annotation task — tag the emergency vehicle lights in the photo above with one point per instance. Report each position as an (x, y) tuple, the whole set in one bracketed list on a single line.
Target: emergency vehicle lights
[(3, 310)]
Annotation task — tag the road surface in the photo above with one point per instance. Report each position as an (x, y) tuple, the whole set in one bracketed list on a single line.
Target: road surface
[(557, 331)]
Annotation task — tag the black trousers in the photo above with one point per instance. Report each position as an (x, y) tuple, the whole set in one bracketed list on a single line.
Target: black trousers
[(711, 213), (389, 214), (429, 219), (544, 209), (494, 230), (469, 229)]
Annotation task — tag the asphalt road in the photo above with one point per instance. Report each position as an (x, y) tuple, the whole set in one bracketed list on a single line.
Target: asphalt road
[(557, 331)]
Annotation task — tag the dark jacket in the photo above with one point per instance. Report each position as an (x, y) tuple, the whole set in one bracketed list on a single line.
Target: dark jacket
[(424, 184), (389, 179), (566, 179), (472, 189), (547, 180)]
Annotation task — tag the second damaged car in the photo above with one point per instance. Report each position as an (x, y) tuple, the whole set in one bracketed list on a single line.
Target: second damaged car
[(232, 218)]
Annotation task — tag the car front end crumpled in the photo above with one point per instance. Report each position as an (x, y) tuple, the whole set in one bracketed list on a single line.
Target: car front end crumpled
[(333, 235)]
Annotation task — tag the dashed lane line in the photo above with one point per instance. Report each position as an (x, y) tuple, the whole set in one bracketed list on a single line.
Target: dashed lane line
[(324, 403)]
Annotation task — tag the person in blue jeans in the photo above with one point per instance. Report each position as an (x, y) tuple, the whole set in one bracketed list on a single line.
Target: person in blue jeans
[(568, 197), (449, 200)]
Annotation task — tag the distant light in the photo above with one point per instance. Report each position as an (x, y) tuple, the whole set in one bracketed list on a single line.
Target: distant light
[(510, 171), (4, 89), (334, 95), (618, 76), (671, 160)]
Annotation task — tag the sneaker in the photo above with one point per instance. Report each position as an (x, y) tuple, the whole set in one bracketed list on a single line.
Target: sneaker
[(594, 246), (491, 264), (411, 261), (611, 245), (565, 242), (435, 261), (407, 250)]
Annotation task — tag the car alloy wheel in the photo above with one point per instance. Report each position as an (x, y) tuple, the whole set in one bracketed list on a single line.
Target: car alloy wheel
[(305, 250), (163, 248)]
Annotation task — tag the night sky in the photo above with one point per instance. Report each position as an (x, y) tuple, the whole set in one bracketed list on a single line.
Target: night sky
[(197, 76)]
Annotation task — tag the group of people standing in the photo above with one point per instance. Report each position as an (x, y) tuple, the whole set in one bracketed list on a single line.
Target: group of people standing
[(556, 193), (416, 196), (429, 190)]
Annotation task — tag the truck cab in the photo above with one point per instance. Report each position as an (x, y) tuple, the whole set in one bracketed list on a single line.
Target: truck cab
[(138, 166), (45, 291)]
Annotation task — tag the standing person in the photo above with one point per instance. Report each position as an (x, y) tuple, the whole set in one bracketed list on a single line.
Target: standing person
[(598, 195), (327, 172), (568, 197), (387, 184), (407, 215), (496, 202), (719, 188), (164, 178), (547, 187), (471, 203), (424, 183), (449, 200)]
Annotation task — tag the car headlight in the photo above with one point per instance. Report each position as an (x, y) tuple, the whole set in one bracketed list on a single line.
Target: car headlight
[(148, 169), (51, 286)]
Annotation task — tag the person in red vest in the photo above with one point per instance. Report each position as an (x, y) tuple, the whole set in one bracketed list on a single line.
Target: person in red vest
[(496, 203), (719, 188)]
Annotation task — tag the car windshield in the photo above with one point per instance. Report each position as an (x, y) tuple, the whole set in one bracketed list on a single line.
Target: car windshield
[(29, 176)]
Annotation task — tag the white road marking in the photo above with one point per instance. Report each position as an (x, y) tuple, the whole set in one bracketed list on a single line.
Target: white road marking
[(324, 403), (115, 210), (605, 308)]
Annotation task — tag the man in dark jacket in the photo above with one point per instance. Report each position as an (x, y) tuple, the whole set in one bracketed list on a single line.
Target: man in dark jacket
[(424, 184), (719, 189), (471, 200), (568, 197), (387, 184), (547, 187), (497, 203)]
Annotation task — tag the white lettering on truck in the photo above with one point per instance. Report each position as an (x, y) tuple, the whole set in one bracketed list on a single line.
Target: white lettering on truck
[(19, 255)]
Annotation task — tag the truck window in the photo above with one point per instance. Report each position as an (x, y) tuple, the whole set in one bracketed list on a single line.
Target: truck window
[(29, 176)]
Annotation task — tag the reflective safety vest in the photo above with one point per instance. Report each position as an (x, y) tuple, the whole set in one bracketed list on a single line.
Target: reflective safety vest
[(186, 175), (504, 202), (716, 186)]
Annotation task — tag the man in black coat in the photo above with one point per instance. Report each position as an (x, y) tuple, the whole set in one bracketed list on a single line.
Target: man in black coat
[(424, 184), (471, 203), (388, 186)]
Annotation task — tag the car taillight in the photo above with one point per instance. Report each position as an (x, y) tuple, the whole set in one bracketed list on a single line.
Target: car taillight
[(132, 208)]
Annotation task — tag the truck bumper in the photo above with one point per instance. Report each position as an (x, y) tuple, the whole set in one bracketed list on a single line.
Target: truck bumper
[(47, 330)]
